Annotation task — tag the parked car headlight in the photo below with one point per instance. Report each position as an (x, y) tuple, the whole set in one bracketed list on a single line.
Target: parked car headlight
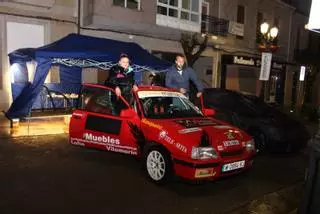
[(202, 153), (250, 145)]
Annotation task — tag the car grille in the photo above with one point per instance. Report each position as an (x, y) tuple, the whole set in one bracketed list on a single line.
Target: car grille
[(232, 153)]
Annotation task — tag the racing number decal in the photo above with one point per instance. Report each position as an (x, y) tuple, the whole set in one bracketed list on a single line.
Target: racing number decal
[(102, 124)]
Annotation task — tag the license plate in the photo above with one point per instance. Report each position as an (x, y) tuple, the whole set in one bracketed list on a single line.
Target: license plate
[(233, 166), (231, 143)]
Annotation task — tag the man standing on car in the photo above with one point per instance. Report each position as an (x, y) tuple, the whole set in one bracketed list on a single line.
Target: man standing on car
[(179, 75), (122, 77)]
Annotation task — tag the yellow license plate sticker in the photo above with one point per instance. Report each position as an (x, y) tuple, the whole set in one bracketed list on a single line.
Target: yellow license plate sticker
[(202, 173)]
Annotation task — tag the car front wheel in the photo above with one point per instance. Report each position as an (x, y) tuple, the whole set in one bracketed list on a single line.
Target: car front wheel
[(158, 165), (260, 141)]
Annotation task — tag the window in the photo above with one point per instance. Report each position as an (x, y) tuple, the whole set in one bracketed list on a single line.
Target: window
[(89, 75), (102, 76), (183, 9), (259, 22), (240, 17), (205, 14), (53, 75), (23, 72), (31, 66), (217, 99), (167, 107), (244, 110), (19, 73), (102, 101), (132, 4), (241, 14), (223, 116)]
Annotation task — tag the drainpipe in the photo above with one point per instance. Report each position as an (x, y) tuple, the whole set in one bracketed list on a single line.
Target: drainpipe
[(219, 10), (79, 17), (289, 36), (216, 59)]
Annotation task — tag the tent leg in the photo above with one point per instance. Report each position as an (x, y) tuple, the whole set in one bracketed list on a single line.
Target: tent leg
[(14, 123), (29, 118)]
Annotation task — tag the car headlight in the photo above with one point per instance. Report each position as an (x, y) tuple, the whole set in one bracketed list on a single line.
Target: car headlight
[(250, 145), (202, 153)]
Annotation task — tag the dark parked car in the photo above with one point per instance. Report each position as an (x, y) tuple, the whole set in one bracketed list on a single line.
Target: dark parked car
[(272, 129)]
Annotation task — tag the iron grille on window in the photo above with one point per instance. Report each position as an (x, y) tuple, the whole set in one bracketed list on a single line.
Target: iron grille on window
[(214, 25)]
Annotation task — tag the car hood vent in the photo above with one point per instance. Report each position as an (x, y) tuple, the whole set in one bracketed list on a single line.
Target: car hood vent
[(196, 123), (204, 141)]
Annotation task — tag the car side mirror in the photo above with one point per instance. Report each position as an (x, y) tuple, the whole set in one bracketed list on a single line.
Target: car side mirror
[(128, 113), (208, 112)]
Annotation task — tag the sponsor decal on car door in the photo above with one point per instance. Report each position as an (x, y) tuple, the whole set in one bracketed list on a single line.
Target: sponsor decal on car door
[(99, 125)]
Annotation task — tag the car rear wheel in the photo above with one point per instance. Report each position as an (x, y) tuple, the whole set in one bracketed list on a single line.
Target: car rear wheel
[(158, 165)]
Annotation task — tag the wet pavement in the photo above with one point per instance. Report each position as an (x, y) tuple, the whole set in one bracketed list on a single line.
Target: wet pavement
[(45, 174)]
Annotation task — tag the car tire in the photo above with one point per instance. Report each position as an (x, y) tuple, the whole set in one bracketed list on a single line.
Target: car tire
[(260, 141), (158, 164)]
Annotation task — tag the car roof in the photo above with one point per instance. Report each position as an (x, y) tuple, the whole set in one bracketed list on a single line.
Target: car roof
[(140, 88), (228, 91), (219, 90)]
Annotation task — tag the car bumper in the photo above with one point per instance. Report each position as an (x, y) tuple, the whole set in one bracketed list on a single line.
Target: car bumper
[(209, 171)]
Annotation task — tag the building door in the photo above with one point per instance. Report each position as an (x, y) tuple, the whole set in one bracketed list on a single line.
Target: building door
[(20, 35), (276, 87)]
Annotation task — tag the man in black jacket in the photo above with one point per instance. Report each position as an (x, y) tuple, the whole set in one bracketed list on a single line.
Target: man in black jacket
[(121, 76)]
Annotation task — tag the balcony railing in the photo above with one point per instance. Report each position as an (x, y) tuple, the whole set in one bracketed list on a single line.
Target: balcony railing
[(214, 25), (287, 1)]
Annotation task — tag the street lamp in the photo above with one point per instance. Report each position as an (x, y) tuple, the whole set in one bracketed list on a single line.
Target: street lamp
[(264, 28), (267, 44), (268, 41), (274, 32)]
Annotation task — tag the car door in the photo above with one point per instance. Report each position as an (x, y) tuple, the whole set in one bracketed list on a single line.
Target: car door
[(97, 123)]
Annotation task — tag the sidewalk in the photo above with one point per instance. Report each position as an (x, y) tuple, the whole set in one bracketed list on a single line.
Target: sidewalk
[(34, 126)]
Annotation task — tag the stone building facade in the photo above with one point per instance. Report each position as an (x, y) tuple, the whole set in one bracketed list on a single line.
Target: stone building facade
[(157, 25)]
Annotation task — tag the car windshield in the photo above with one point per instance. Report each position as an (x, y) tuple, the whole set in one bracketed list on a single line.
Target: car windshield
[(165, 104)]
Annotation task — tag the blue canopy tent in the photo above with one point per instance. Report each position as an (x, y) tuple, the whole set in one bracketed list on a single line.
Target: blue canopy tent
[(71, 54)]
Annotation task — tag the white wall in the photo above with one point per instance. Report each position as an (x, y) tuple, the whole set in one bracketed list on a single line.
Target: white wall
[(146, 42), (21, 35), (17, 33)]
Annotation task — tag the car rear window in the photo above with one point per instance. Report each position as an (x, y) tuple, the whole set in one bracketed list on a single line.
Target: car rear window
[(100, 100)]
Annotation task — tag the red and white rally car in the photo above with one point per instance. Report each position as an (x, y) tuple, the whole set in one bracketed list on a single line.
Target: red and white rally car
[(165, 129)]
